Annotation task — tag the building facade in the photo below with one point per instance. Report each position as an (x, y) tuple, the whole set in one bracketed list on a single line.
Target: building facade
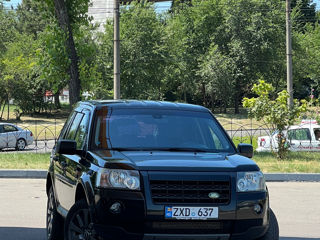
[(101, 10)]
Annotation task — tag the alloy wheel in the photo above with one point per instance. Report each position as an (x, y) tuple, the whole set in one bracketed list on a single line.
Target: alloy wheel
[(50, 214), (80, 227)]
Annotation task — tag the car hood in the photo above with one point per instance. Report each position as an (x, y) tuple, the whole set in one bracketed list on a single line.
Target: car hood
[(174, 161)]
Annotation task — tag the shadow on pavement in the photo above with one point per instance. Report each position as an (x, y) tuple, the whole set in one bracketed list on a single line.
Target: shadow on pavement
[(298, 238), (23, 233)]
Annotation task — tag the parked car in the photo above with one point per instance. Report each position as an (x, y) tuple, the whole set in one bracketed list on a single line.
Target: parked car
[(153, 170), (302, 137), (12, 136)]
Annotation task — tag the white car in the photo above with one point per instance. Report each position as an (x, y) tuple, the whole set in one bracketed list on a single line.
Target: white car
[(12, 136), (303, 137)]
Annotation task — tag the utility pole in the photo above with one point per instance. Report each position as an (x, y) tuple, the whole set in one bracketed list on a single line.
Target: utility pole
[(116, 50), (289, 53)]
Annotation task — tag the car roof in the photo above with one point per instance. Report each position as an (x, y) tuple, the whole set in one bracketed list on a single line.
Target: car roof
[(305, 125), (146, 104), (4, 123)]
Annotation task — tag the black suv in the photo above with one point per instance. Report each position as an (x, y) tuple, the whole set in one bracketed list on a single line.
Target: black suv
[(124, 170)]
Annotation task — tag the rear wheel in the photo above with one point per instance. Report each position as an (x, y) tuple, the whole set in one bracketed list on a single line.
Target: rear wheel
[(54, 219), (21, 144), (78, 223), (273, 230)]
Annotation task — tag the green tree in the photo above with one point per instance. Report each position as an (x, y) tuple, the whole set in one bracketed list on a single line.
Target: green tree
[(20, 75), (306, 58), (307, 10), (70, 16), (142, 53), (30, 19), (274, 112), (252, 37), (189, 33), (7, 35)]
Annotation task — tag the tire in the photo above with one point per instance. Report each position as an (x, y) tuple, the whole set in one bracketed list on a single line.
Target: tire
[(54, 221), (273, 230), (21, 144), (78, 222)]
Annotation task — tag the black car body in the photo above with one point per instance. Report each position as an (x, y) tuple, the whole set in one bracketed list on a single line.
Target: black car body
[(177, 191)]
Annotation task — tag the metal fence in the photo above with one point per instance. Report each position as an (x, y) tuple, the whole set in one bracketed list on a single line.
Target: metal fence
[(44, 136)]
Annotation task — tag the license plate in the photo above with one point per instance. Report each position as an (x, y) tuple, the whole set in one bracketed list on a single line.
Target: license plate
[(201, 213)]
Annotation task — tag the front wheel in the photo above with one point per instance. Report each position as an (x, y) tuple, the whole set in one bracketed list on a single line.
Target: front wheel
[(273, 230), (78, 223), (54, 219)]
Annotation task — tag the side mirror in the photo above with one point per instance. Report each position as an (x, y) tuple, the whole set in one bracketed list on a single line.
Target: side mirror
[(66, 147), (245, 150)]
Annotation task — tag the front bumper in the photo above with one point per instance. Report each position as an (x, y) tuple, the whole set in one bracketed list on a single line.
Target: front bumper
[(141, 219)]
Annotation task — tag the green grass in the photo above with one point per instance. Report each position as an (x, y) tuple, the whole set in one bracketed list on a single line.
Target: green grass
[(55, 116), (24, 160), (253, 141), (297, 162), (43, 131)]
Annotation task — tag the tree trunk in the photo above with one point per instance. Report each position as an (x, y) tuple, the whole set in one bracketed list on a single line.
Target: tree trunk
[(8, 106), (57, 100), (64, 22), (236, 96), (204, 94), (236, 104), (4, 104)]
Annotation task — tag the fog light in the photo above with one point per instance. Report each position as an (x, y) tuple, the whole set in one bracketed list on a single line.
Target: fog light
[(257, 208), (115, 208)]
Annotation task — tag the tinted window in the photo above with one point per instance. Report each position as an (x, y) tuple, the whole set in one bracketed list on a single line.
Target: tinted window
[(9, 128), (82, 131), (159, 130), (299, 134), (65, 126), (72, 131)]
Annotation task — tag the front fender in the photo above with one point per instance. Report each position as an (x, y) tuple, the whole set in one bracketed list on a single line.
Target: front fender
[(85, 184)]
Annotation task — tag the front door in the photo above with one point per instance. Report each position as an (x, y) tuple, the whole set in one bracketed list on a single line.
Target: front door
[(70, 167), (300, 139)]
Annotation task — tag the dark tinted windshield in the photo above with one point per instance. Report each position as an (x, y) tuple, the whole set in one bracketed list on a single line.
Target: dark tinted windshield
[(147, 129)]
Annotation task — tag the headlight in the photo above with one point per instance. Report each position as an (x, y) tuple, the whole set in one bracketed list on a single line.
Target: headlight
[(117, 178), (250, 182)]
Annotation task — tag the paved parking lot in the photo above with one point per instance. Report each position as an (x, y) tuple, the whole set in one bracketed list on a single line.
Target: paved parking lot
[(23, 206)]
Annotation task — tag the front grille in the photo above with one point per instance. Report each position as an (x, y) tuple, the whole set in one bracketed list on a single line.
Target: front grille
[(164, 192)]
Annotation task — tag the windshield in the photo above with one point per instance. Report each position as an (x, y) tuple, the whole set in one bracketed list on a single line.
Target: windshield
[(167, 130)]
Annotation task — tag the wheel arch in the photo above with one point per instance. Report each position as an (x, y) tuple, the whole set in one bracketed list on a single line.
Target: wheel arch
[(48, 183), (84, 190)]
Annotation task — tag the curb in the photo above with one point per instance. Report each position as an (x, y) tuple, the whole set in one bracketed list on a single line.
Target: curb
[(292, 177), (13, 173), (270, 177)]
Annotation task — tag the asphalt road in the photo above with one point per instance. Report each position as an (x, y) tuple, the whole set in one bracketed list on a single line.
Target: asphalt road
[(23, 207)]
